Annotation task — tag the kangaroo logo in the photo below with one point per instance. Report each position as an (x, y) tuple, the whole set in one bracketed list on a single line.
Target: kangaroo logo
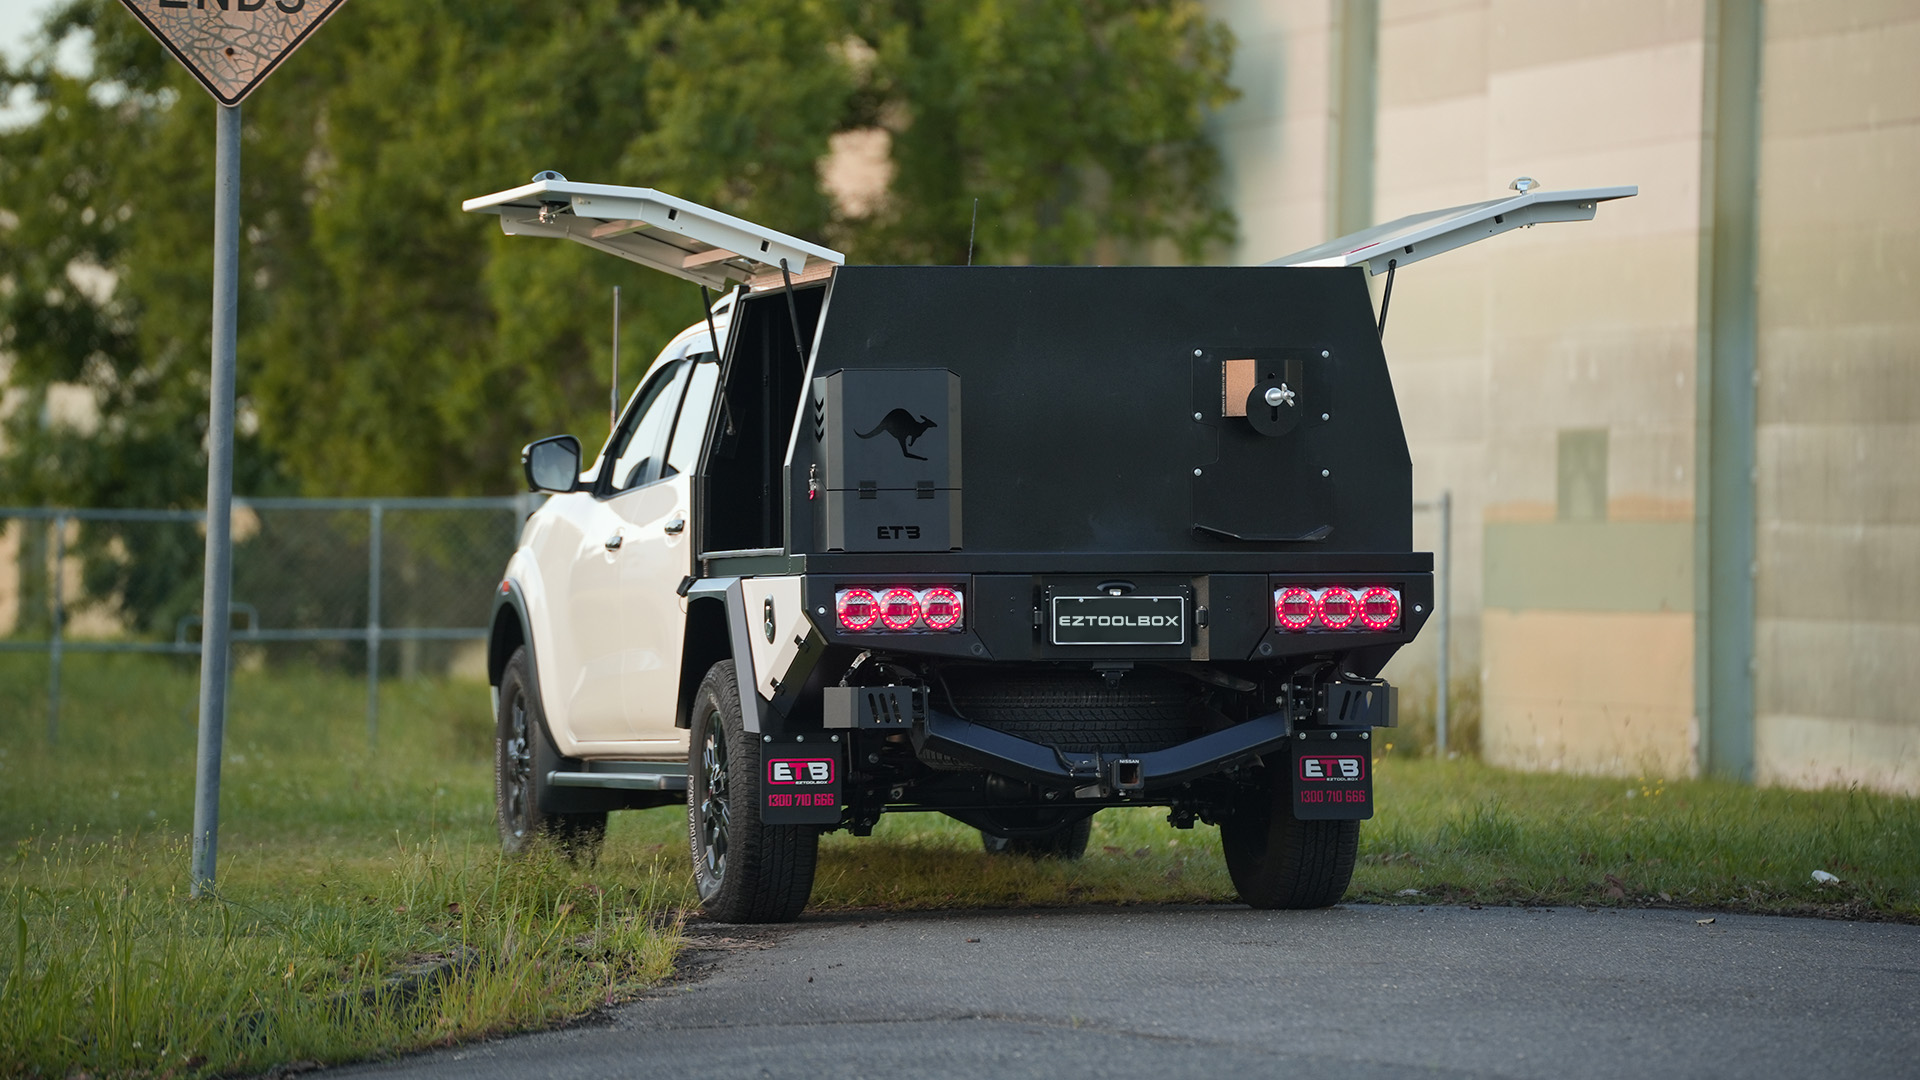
[(901, 425)]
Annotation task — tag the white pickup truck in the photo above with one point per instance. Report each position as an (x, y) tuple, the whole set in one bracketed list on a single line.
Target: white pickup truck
[(1159, 559)]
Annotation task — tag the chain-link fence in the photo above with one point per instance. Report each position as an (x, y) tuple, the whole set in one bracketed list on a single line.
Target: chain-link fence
[(401, 586)]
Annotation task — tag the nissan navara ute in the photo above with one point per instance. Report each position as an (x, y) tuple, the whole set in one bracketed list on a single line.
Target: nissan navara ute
[(1014, 544)]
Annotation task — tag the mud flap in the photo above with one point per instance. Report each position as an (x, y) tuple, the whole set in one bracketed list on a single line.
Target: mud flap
[(800, 779), (1332, 772)]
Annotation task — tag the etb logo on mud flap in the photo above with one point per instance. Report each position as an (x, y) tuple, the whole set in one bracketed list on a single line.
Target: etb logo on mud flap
[(1333, 768), (800, 772)]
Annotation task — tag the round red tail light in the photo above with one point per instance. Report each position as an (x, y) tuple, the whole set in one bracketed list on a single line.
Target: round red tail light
[(1379, 609), (1293, 607), (1338, 608), (899, 609), (941, 608), (858, 609)]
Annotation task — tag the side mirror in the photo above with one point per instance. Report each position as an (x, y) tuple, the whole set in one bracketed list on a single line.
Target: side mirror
[(552, 464)]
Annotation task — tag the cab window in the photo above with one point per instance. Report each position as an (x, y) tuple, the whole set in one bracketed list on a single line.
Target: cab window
[(684, 452), (641, 444)]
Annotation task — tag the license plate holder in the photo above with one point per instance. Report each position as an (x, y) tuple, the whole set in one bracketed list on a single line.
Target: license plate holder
[(1332, 775), (1118, 620)]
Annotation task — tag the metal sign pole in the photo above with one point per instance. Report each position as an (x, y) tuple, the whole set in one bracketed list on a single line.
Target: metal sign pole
[(1444, 611), (216, 619), (57, 581), (375, 541), (230, 52)]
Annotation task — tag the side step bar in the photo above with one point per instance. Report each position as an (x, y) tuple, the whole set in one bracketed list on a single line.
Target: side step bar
[(626, 776)]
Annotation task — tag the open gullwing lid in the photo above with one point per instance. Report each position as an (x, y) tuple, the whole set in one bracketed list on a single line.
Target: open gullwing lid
[(1421, 236), (652, 228)]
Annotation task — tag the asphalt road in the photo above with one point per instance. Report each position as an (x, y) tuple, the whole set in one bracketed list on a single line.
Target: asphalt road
[(1226, 992)]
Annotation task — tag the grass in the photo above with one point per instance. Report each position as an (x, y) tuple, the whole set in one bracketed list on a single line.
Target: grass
[(1457, 832), (362, 908), (1416, 733), (1465, 832)]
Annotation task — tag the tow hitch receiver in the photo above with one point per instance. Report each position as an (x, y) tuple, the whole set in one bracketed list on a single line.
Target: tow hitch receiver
[(1332, 773)]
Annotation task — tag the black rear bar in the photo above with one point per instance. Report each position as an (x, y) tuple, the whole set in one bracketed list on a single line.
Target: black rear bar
[(1010, 755)]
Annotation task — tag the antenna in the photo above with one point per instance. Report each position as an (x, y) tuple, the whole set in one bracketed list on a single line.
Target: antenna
[(971, 229), (613, 395)]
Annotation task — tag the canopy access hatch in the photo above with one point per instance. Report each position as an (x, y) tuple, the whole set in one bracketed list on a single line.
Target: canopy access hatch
[(652, 228), (1421, 236)]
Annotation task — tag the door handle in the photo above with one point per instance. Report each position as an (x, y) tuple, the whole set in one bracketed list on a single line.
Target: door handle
[(676, 526), (614, 542)]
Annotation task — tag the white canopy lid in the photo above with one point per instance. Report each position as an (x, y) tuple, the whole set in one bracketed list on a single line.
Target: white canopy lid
[(651, 228), (1421, 236)]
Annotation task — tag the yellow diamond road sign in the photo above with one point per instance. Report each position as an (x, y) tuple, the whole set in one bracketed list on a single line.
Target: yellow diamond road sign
[(231, 46)]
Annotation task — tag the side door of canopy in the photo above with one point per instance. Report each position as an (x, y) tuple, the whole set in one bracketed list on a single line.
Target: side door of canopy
[(652, 228), (1404, 241)]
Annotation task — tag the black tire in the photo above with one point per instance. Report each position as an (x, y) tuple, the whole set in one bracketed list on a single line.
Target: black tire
[(745, 872), (520, 743), (1278, 861), (1068, 842)]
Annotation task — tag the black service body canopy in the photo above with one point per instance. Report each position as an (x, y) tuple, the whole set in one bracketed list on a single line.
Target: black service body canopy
[(1184, 411)]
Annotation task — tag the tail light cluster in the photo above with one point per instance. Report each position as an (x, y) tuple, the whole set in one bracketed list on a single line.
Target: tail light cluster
[(901, 610), (1335, 607)]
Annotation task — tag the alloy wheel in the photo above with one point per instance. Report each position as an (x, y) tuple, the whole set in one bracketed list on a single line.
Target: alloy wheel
[(518, 768), (713, 802)]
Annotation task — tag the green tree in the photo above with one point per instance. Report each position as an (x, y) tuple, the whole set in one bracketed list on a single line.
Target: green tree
[(391, 344)]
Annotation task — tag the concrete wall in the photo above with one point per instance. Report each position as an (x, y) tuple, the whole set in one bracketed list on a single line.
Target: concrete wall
[(1431, 151), (11, 534), (1277, 137), (1546, 376), (1550, 378), (1837, 682)]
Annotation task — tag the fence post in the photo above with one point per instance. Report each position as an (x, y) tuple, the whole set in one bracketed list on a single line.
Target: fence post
[(1443, 673), (55, 646), (374, 540)]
